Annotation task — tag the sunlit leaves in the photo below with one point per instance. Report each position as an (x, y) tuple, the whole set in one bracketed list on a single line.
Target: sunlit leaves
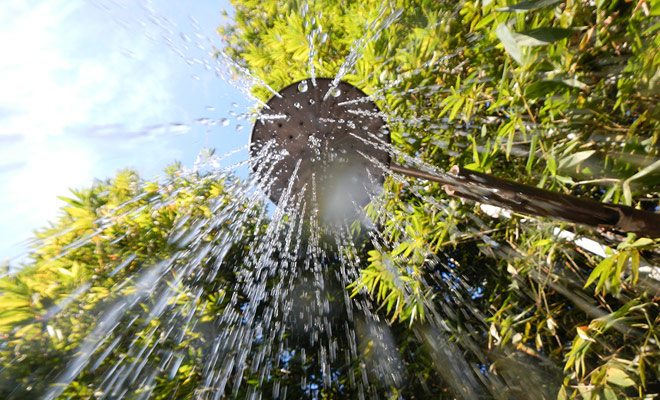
[(619, 268), (48, 308), (394, 287), (525, 6), (616, 373), (509, 42), (562, 95), (541, 36)]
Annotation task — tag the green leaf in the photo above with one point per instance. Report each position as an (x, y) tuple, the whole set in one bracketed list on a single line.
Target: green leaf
[(485, 21), (621, 262), (609, 393), (27, 330), (12, 302), (655, 7), (541, 36), (552, 165), (618, 377), (12, 317), (652, 28), (575, 159), (572, 82), (603, 266), (642, 242), (510, 45), (566, 180), (649, 169), (627, 193), (525, 6), (532, 153), (456, 108), (473, 167), (562, 393), (634, 265), (475, 151)]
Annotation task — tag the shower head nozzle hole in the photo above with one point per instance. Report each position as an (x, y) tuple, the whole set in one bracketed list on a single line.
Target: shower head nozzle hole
[(324, 141)]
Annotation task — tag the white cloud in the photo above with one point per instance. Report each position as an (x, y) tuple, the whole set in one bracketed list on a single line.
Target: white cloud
[(63, 70), (54, 75), (29, 195)]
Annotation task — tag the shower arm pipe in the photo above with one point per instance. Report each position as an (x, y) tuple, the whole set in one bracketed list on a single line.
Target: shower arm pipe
[(526, 199)]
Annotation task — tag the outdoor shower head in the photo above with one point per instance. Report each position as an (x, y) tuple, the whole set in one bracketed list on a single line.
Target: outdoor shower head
[(321, 133), (317, 140)]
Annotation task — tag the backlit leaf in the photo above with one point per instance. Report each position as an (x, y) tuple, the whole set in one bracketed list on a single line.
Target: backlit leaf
[(541, 36), (510, 45), (525, 6)]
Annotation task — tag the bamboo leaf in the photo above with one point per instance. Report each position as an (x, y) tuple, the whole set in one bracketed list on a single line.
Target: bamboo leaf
[(655, 8), (621, 262), (10, 302), (627, 193), (655, 167), (604, 265), (609, 393), (525, 6), (642, 242), (532, 154), (552, 165), (572, 82), (618, 377), (456, 108), (562, 393), (634, 265), (12, 317), (541, 36), (475, 151), (575, 159), (510, 45)]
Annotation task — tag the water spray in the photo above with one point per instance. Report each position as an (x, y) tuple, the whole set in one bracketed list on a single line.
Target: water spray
[(337, 133)]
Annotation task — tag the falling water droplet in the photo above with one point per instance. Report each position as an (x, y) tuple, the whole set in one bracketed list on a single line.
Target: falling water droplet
[(302, 87), (239, 127), (311, 101), (235, 105), (297, 105), (335, 92), (324, 38), (224, 121), (210, 108)]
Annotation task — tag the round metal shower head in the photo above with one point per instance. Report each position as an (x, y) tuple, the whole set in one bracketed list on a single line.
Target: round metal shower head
[(323, 133)]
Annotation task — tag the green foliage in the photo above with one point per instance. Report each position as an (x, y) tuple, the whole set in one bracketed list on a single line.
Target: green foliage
[(562, 95), (107, 240), (558, 94), (611, 269), (398, 290)]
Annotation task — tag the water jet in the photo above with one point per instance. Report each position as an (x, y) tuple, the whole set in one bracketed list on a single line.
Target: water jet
[(326, 132)]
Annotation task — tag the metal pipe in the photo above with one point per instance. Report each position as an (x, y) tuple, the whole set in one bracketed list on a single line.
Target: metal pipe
[(531, 200)]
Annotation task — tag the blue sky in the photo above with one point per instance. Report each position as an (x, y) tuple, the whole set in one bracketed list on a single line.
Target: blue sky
[(93, 86)]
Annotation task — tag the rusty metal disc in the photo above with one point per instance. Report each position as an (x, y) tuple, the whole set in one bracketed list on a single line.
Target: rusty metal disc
[(330, 133)]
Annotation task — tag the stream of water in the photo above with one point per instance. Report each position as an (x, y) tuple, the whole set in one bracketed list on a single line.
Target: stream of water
[(289, 308)]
